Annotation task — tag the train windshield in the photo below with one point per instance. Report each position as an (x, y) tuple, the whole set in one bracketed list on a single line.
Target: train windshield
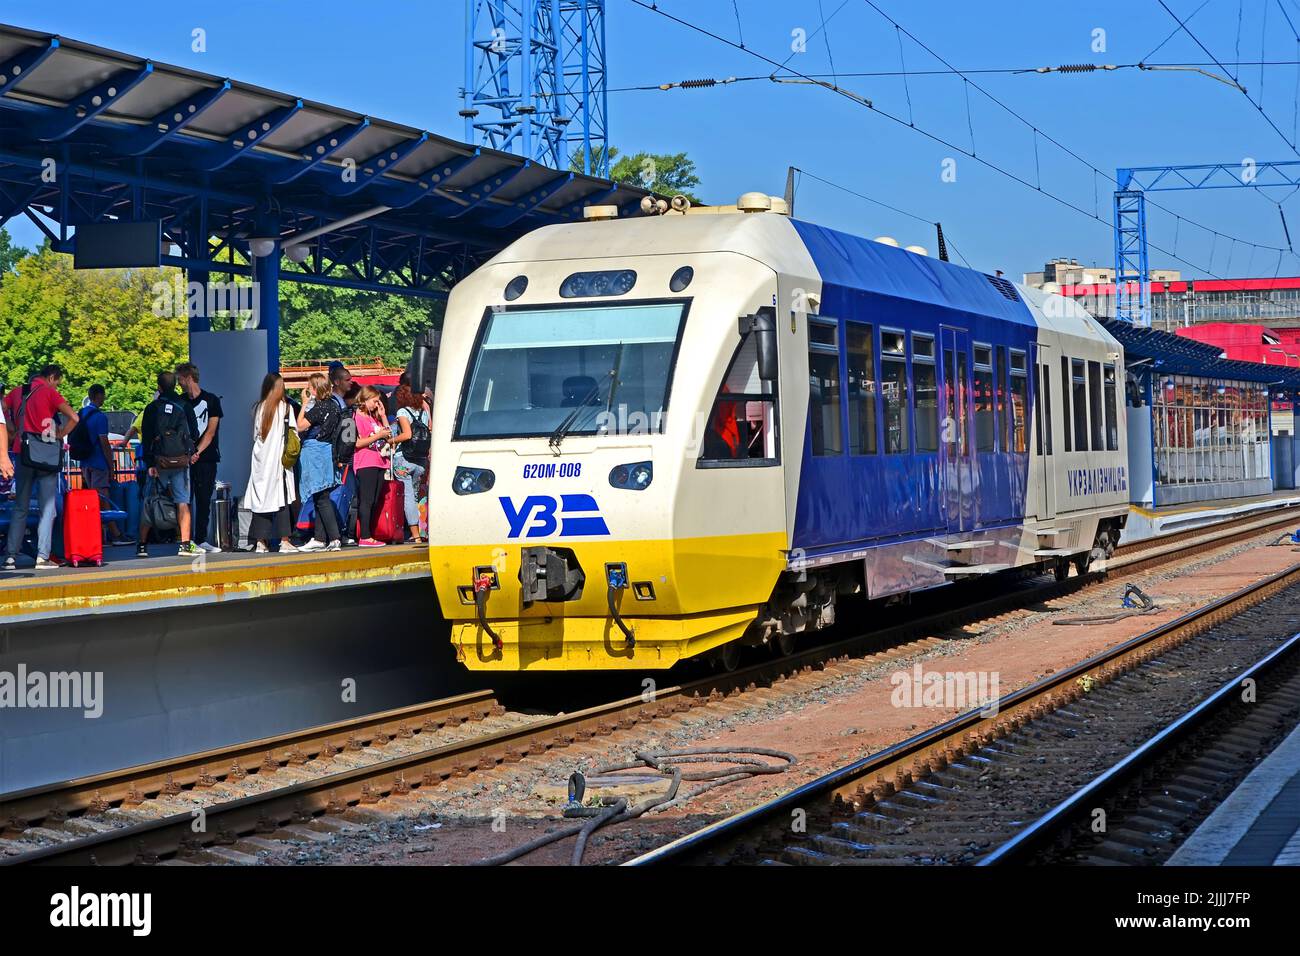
[(534, 367)]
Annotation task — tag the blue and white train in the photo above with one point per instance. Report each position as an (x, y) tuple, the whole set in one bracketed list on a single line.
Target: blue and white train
[(674, 435)]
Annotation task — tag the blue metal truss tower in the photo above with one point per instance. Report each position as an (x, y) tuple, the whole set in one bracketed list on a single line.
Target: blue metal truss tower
[(535, 80), (1132, 275)]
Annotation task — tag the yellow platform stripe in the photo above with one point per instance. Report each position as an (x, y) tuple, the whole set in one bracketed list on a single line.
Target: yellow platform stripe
[(121, 588)]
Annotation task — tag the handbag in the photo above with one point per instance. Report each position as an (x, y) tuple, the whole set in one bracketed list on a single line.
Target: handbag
[(292, 445), (159, 509), (37, 453)]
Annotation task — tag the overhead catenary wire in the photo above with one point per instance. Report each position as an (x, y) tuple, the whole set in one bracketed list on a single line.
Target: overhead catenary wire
[(1244, 92), (1036, 131), (652, 6), (1064, 68)]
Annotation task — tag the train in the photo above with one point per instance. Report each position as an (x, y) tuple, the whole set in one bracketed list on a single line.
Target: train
[(677, 435)]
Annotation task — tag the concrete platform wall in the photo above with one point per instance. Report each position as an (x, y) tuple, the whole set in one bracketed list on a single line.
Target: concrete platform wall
[(180, 680)]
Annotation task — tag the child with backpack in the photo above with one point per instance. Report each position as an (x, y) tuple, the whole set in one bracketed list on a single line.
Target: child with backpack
[(169, 437)]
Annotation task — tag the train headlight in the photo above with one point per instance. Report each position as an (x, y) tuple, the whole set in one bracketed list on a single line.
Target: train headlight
[(634, 477), (472, 481)]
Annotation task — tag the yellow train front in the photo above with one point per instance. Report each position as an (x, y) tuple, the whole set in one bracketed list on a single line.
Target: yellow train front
[(585, 500)]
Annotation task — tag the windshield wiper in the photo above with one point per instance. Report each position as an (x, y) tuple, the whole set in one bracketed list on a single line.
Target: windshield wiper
[(611, 380)]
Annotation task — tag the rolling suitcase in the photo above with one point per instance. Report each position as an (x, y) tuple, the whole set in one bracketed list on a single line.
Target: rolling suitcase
[(83, 529), (389, 521)]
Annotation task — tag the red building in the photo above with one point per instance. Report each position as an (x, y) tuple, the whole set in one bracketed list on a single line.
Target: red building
[(1249, 343)]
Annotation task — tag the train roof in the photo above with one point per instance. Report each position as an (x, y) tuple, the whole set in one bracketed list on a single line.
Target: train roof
[(806, 250)]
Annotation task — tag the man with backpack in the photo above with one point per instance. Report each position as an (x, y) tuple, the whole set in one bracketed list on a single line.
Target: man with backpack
[(88, 444), (169, 436), (41, 418)]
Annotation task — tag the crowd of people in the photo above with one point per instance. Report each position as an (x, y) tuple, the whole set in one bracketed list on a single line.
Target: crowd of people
[(342, 465)]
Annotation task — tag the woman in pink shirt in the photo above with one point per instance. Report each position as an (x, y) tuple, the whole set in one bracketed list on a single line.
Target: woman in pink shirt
[(368, 462)]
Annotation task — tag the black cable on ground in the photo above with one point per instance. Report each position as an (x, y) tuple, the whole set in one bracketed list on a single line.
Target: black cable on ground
[(1137, 603), (744, 762)]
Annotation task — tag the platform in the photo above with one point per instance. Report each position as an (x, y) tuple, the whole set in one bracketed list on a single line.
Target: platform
[(1259, 823), (1146, 523), (127, 584)]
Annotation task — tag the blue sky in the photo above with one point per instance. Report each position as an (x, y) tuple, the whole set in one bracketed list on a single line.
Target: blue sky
[(404, 61)]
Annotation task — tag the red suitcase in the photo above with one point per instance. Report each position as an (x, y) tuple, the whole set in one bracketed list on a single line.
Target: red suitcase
[(83, 529), (390, 522)]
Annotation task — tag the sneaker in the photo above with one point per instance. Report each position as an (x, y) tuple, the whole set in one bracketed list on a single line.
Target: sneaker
[(313, 545), (121, 542), (335, 545), (210, 548), (349, 542), (261, 549), (10, 563), (189, 550), (141, 551), (287, 548), (371, 543), (48, 564)]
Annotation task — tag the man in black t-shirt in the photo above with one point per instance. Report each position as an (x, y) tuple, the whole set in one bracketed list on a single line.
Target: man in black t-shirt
[(203, 466)]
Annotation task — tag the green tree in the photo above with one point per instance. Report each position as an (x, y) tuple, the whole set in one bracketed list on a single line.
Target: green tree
[(114, 327), (668, 174), (10, 254), (100, 325), (322, 322)]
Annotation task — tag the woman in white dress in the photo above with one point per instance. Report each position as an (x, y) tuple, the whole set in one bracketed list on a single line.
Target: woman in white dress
[(270, 484)]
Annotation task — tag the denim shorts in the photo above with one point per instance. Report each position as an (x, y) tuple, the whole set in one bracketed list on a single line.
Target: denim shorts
[(177, 482)]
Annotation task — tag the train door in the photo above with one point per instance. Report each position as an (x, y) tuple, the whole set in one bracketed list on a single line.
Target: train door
[(957, 460), (1043, 472)]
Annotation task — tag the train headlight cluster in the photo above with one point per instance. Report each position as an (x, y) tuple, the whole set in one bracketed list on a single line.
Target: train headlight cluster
[(582, 284), (472, 481), (634, 477)]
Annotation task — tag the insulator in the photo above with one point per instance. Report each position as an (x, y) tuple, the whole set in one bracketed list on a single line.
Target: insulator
[(696, 84)]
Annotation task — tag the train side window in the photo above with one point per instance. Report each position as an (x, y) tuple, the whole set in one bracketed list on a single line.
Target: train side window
[(1045, 427), (1112, 412), (1004, 408), (1038, 409), (824, 388), (1065, 400), (893, 388), (859, 349), (925, 391), (741, 426), (1019, 402), (1094, 406), (985, 417), (1079, 399)]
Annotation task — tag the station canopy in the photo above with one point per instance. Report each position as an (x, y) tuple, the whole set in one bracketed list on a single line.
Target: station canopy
[(1166, 353), (89, 135)]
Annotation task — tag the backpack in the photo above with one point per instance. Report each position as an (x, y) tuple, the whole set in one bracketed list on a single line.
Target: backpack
[(345, 439), (173, 444), (81, 447), (417, 446)]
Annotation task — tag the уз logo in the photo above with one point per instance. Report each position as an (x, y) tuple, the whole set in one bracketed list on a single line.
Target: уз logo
[(578, 515)]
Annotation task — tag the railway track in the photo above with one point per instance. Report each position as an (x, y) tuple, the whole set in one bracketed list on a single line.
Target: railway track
[(1023, 781), (301, 785)]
